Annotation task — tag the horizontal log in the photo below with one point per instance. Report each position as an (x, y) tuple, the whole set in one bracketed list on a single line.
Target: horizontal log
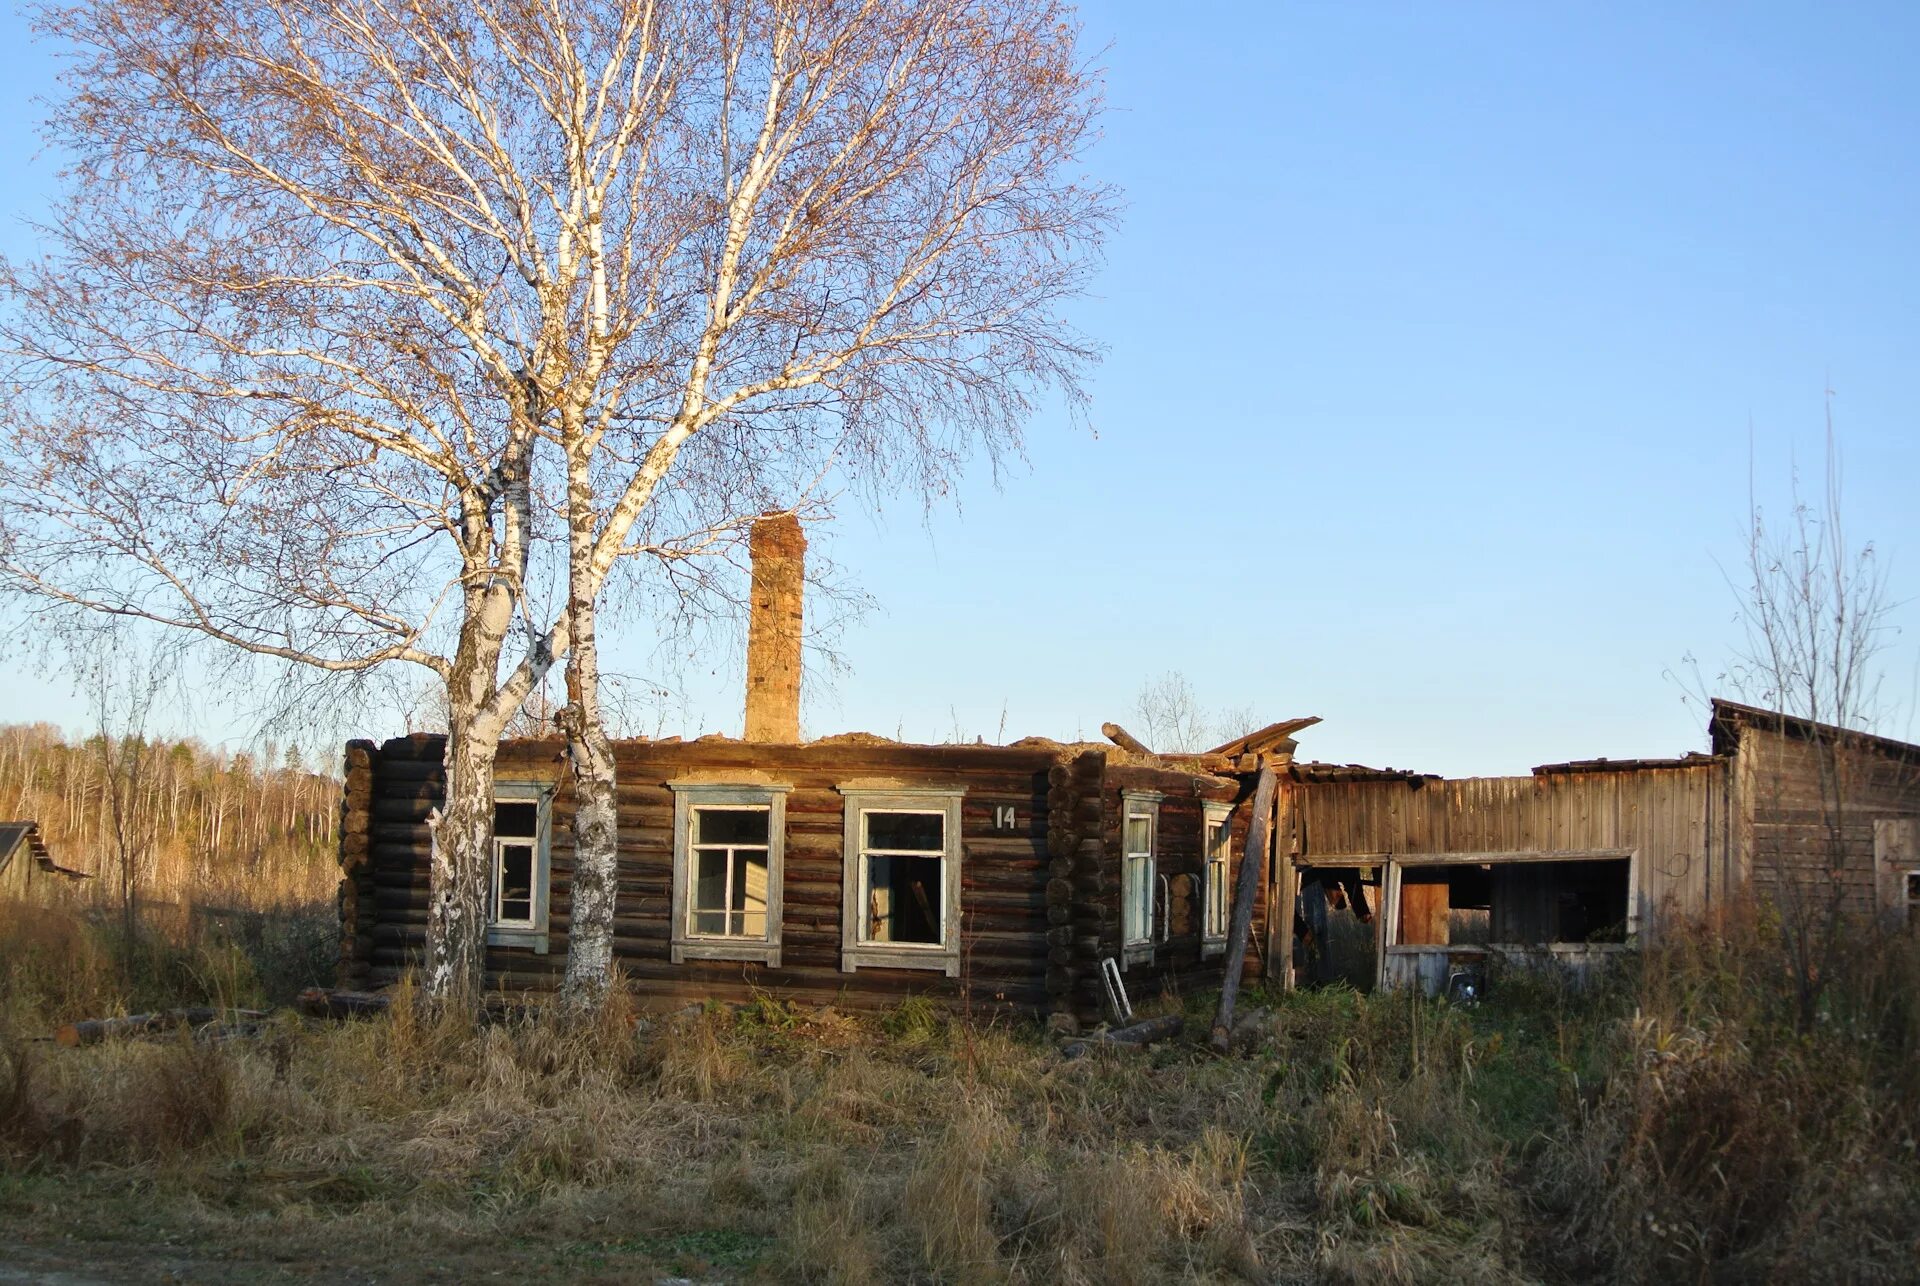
[(1135, 1037), (323, 1002), (90, 1031)]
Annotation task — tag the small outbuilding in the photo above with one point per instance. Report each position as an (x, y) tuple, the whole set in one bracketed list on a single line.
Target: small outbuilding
[(27, 869), (1579, 861)]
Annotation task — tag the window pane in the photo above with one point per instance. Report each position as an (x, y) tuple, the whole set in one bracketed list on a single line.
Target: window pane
[(750, 889), (923, 831), (1913, 885), (710, 923), (904, 900), (516, 882), (730, 825), (1217, 834), (1139, 834), (516, 820), (1139, 903), (710, 881)]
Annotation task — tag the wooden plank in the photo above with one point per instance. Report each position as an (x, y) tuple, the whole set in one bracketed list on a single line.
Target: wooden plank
[(1242, 926)]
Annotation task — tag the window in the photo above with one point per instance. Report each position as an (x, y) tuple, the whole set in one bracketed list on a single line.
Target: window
[(1217, 882), (1913, 897), (901, 884), (1139, 829), (729, 845), (517, 894)]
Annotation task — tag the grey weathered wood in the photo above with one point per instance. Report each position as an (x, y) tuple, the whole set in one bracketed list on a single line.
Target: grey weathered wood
[(89, 1031), (320, 1002), (1247, 885), (1140, 1033)]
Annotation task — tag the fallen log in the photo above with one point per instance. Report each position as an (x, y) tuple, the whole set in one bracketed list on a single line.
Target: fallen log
[(1141, 1033), (91, 1031), (319, 1002)]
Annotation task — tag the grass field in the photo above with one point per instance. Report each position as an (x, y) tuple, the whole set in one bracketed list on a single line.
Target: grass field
[(1669, 1125)]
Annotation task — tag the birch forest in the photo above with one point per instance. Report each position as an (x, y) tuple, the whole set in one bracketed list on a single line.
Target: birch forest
[(191, 825)]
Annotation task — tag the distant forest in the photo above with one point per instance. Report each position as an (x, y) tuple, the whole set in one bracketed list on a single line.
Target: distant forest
[(196, 825)]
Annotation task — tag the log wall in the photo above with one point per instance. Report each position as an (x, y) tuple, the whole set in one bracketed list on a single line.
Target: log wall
[(1039, 904)]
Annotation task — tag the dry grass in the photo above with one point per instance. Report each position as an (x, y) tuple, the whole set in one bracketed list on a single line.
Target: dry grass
[(1349, 1139)]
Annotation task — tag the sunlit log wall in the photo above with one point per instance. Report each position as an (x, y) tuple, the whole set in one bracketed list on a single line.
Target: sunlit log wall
[(1039, 903)]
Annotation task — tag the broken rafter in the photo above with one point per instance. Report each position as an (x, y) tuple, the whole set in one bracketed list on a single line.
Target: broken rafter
[(1274, 736), (1125, 740)]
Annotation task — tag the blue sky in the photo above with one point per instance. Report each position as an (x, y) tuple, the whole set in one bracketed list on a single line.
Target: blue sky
[(1441, 342)]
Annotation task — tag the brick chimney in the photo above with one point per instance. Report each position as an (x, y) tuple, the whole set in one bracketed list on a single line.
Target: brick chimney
[(779, 551)]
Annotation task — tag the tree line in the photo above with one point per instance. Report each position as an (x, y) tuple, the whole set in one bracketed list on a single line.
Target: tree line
[(199, 824)]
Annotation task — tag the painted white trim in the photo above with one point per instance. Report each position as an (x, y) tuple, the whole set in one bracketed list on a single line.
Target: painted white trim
[(1139, 803), (1221, 815), (689, 795), (856, 954), (533, 932)]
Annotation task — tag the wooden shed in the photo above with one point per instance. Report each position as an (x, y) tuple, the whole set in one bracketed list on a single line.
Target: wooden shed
[(1576, 862), (28, 871)]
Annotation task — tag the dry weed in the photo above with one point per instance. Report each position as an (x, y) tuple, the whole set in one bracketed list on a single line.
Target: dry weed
[(948, 1200)]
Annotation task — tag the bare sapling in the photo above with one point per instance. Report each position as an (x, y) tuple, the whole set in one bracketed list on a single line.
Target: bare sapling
[(1815, 614)]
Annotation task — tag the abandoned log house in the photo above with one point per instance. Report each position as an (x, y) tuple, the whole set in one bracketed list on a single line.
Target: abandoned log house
[(849, 869), (1049, 878)]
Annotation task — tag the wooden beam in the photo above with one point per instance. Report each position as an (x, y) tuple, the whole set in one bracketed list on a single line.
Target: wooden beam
[(1249, 881), (1265, 739), (1122, 738)]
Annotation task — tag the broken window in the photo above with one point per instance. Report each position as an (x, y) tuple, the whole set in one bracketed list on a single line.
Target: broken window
[(728, 845), (1140, 824), (1514, 903), (517, 889), (1217, 884), (516, 836), (730, 871), (902, 882), (902, 855)]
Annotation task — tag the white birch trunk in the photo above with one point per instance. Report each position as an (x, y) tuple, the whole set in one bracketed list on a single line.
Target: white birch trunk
[(462, 840), (596, 880)]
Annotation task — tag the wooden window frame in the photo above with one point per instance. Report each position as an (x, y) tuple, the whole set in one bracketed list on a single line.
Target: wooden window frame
[(531, 933), (856, 954), (1139, 803), (1392, 865), (687, 945), (1212, 815)]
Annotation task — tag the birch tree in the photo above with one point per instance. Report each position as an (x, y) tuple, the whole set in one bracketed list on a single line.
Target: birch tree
[(894, 222), (389, 331)]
